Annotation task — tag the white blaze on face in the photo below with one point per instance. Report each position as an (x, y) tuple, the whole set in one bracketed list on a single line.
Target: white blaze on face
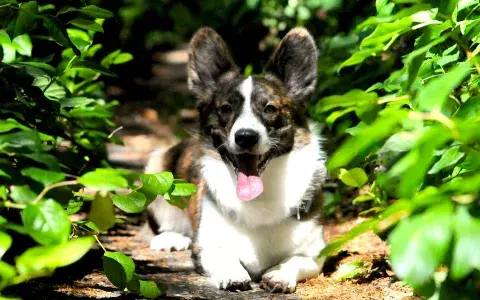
[(248, 119)]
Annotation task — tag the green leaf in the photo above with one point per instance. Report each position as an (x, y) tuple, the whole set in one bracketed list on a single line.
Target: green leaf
[(43, 260), (23, 44), (386, 31), (73, 206), (75, 101), (22, 194), (366, 138), (84, 64), (149, 289), (355, 177), (359, 56), (44, 176), (413, 167), (463, 185), (419, 244), (390, 18), (436, 91), (448, 159), (184, 189), (362, 198), (7, 272), (337, 242), (155, 184), (24, 139), (165, 179), (134, 202), (447, 7), (134, 284), (469, 110), (337, 114), (5, 243), (400, 142), (46, 222), (103, 180), (354, 98), (3, 193), (9, 124), (466, 256), (175, 200), (96, 111), (45, 159), (37, 69), (122, 58), (58, 32), (80, 44), (54, 90), (87, 24), (66, 9), (102, 212), (118, 268), (415, 59), (96, 12), (351, 270), (26, 19)]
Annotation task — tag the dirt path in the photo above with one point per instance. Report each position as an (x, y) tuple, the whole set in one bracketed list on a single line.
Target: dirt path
[(85, 280)]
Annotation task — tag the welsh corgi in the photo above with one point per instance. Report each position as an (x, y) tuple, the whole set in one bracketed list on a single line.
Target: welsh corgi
[(258, 165)]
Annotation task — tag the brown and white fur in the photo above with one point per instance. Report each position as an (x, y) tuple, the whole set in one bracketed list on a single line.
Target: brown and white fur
[(275, 237)]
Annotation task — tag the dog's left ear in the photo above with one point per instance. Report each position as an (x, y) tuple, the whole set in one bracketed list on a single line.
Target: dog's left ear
[(209, 60), (294, 63)]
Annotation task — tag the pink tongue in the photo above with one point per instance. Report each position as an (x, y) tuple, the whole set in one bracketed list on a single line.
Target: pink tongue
[(248, 187)]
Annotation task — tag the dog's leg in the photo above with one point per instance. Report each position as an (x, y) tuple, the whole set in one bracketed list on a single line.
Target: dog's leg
[(225, 270), (284, 277), (170, 223), (218, 241), (174, 227)]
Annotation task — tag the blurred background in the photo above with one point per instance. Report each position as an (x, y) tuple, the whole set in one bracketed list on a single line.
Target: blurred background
[(157, 33)]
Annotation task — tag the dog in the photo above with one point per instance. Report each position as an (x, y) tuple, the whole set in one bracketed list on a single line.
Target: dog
[(258, 165)]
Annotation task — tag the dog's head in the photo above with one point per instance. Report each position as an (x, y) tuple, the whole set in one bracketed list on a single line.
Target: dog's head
[(251, 120)]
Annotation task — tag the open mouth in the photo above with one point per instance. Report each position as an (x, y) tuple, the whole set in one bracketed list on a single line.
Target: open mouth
[(249, 167)]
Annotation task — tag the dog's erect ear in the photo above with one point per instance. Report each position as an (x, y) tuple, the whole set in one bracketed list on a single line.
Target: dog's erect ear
[(208, 61), (294, 63)]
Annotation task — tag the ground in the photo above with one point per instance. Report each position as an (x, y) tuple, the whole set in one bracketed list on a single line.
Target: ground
[(142, 131)]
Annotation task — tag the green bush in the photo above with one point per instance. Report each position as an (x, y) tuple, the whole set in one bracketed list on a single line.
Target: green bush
[(416, 139), (54, 125)]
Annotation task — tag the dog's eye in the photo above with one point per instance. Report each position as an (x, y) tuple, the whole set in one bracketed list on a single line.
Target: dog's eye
[(270, 109), (225, 109)]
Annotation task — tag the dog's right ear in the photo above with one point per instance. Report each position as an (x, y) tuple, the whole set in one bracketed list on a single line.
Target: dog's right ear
[(208, 60)]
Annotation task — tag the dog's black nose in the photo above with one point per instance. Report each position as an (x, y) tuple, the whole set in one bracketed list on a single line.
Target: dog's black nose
[(246, 138)]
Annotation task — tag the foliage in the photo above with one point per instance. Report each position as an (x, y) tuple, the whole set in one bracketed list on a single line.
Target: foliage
[(416, 138), (54, 126)]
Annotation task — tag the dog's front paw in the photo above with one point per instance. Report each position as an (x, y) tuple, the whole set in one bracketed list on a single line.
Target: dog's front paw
[(170, 241), (277, 280), (233, 280)]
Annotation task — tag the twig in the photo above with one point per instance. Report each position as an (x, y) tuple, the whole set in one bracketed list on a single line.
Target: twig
[(384, 100), (115, 131), (69, 63), (435, 115), (14, 205), (52, 186), (100, 243)]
